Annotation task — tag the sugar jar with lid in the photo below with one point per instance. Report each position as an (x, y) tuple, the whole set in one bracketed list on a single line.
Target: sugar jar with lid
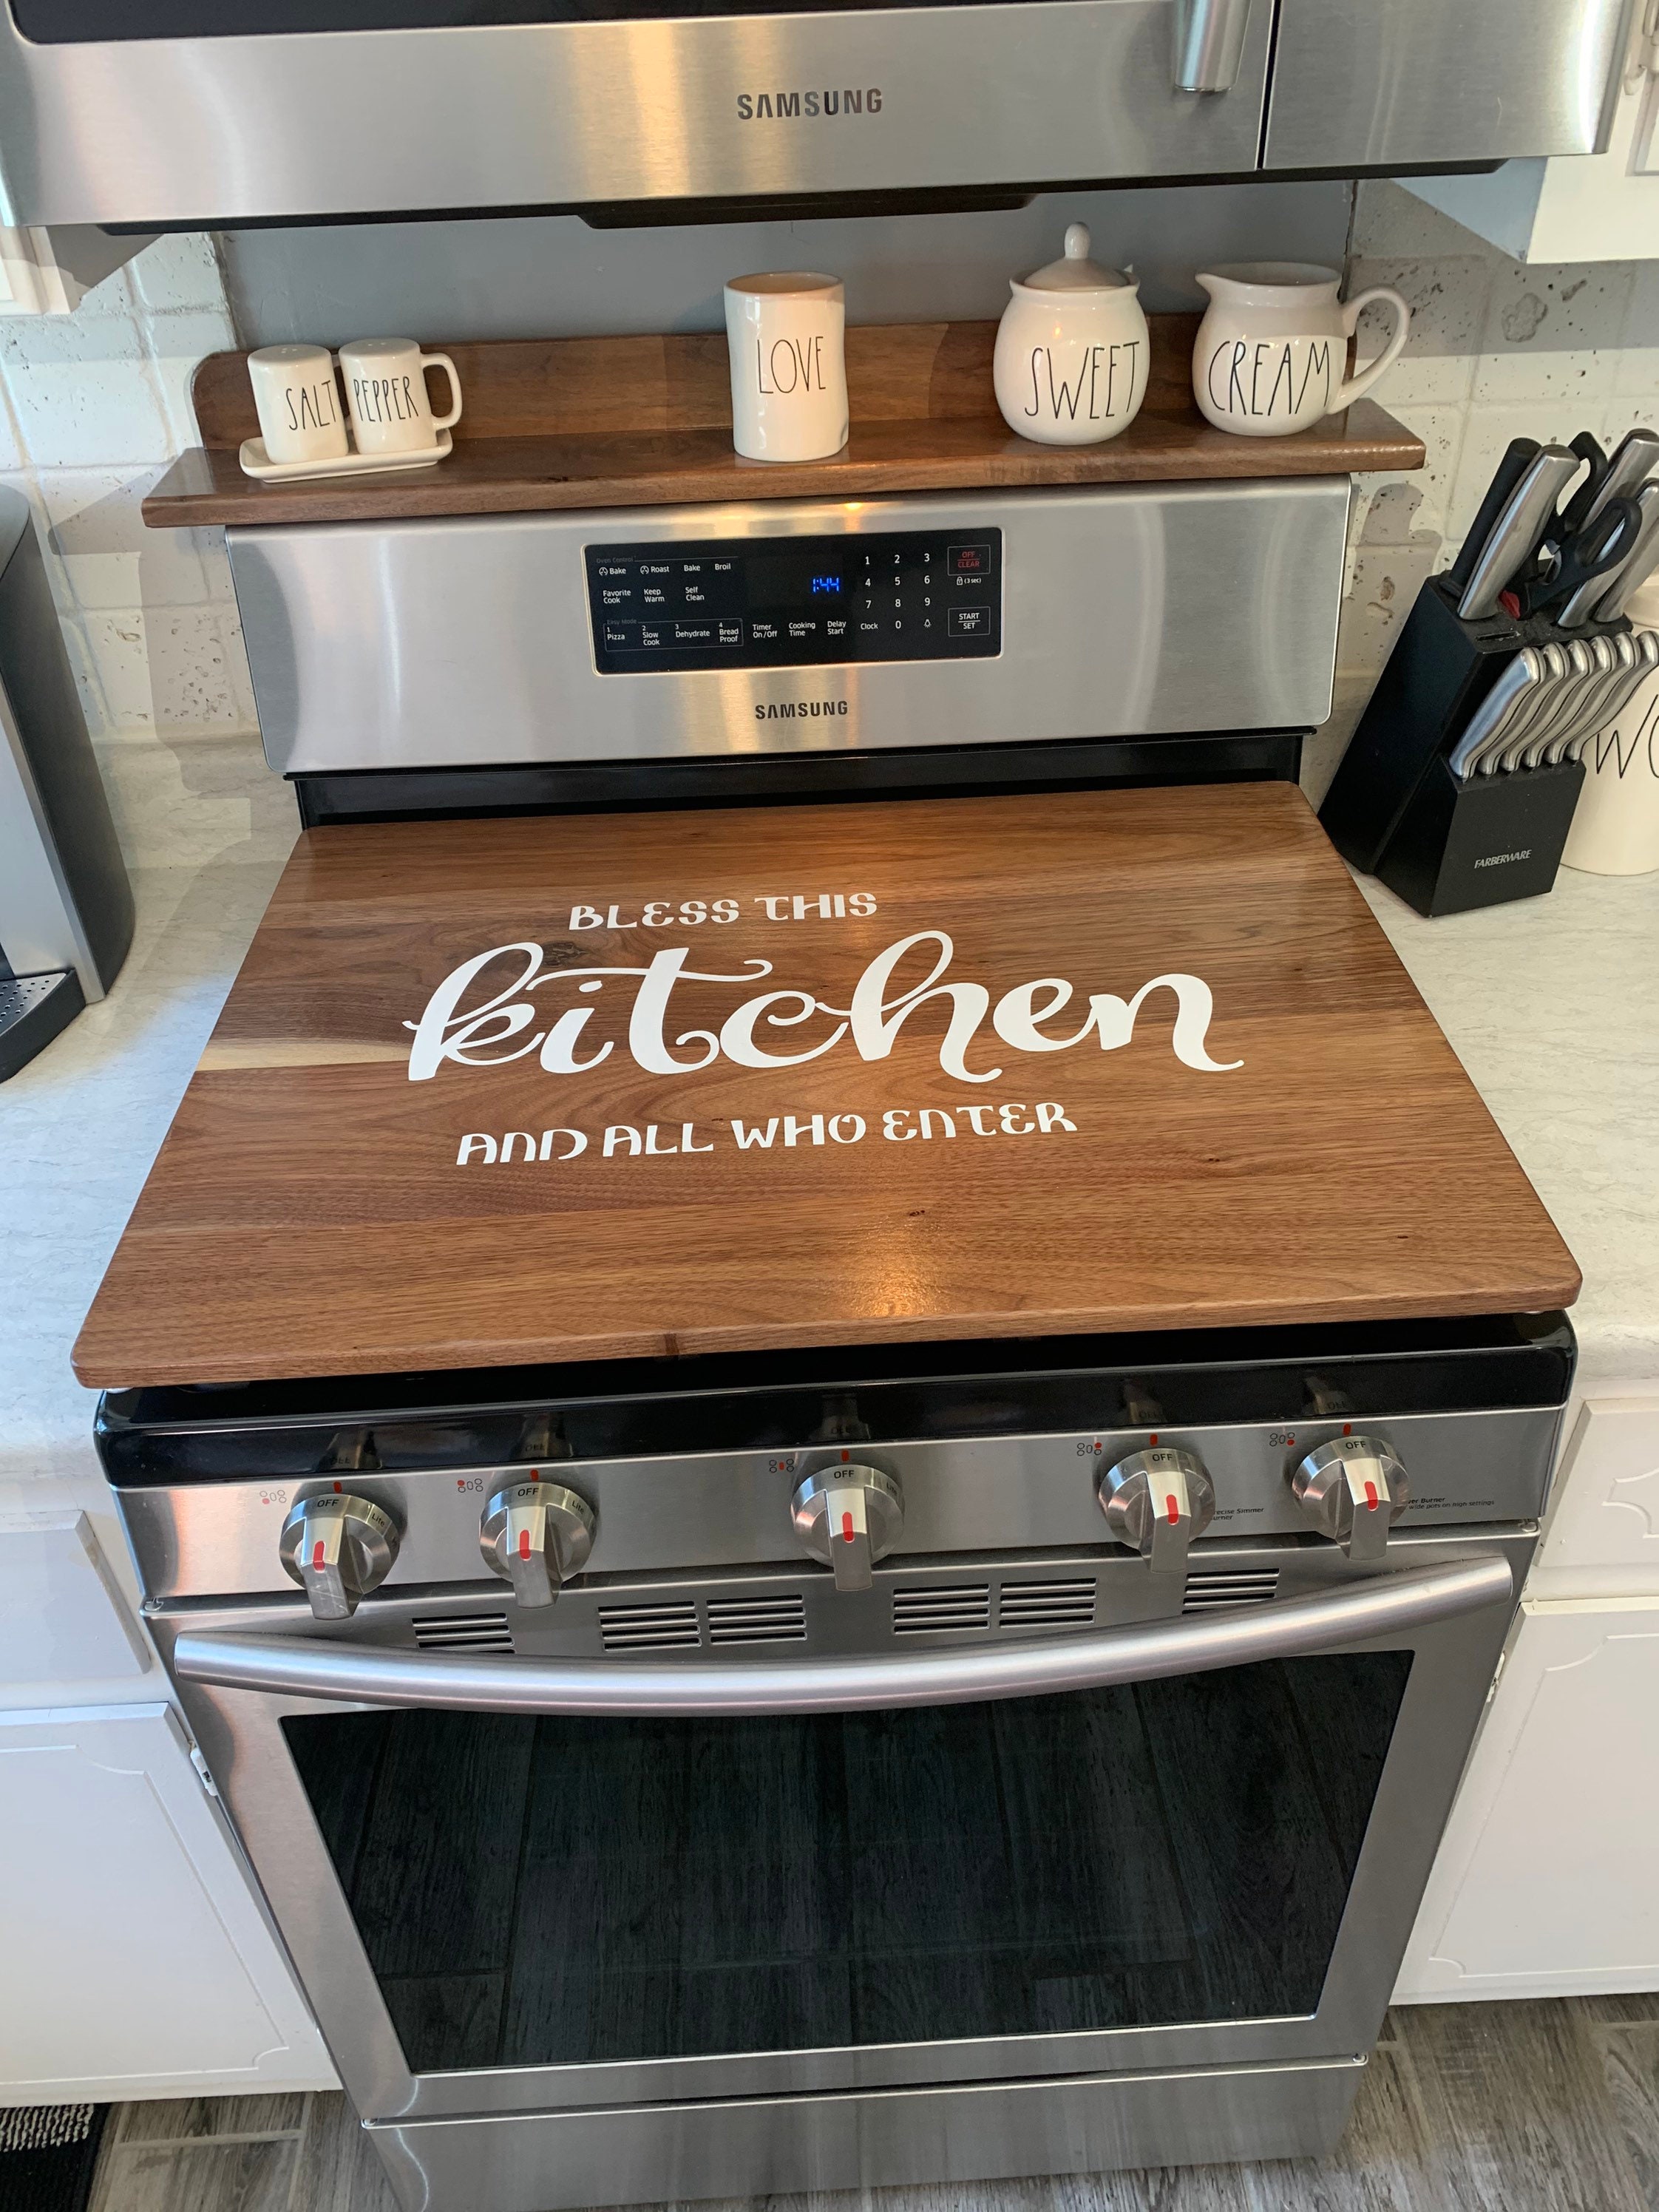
[(1072, 352)]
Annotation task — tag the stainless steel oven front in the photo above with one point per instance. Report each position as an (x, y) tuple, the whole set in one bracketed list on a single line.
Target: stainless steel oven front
[(192, 111), (1050, 1840)]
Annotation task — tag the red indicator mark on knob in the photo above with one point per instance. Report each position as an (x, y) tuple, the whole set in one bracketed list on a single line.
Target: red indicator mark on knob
[(1172, 1510), (524, 1543), (317, 1555), (1154, 1440), (1347, 1428), (1372, 1501), (846, 1528)]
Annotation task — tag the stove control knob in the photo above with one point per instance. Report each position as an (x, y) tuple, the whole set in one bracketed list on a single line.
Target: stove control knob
[(1352, 1489), (339, 1548), (849, 1516), (1156, 1502), (537, 1535)]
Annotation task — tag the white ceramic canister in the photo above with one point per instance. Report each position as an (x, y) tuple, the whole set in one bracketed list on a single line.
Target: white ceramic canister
[(786, 335), (1616, 824), (1072, 352), (299, 403), (1274, 343)]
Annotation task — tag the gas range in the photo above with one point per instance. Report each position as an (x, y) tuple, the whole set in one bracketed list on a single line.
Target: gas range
[(833, 1488)]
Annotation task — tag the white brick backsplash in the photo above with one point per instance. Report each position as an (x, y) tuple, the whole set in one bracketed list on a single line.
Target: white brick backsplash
[(1382, 581), (178, 271), (111, 560), (1410, 507), (84, 414), (120, 651), (1552, 334), (191, 678), (1448, 301), (92, 406), (1497, 351), (1638, 370), (178, 344), (230, 627)]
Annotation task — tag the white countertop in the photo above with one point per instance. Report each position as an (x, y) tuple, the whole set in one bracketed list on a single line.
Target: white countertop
[(1552, 1005)]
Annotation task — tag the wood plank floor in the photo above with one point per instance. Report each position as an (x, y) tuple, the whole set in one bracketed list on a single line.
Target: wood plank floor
[(1541, 2107)]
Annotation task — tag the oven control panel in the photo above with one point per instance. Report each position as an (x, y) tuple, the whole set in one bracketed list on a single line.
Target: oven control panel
[(1352, 1488), (791, 602)]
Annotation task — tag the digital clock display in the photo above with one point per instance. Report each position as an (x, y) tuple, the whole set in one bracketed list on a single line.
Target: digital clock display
[(789, 601), (784, 580)]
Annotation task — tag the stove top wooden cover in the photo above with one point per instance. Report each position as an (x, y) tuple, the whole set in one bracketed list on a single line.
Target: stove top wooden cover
[(516, 1091)]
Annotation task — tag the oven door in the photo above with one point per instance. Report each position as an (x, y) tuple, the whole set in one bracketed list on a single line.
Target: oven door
[(200, 111), (517, 1886)]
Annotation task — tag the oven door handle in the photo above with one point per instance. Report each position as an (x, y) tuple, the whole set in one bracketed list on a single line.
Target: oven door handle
[(311, 1666)]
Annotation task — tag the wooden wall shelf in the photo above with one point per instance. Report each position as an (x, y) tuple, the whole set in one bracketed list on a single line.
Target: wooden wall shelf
[(646, 421)]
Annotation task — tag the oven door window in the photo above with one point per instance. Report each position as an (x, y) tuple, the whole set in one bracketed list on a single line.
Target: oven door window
[(559, 1891)]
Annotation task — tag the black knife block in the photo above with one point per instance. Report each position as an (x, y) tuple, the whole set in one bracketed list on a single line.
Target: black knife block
[(1440, 668), (1395, 809), (1460, 845)]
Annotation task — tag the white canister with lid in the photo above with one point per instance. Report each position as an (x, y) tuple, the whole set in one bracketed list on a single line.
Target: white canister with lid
[(1072, 354), (1616, 824)]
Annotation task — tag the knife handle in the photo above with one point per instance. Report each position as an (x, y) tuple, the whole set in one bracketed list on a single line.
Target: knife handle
[(1644, 556), (1510, 551), (1510, 469), (1577, 509), (1634, 462)]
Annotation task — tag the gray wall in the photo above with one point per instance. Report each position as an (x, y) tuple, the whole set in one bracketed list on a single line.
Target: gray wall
[(551, 277)]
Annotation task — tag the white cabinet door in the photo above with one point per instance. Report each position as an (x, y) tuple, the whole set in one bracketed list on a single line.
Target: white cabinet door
[(134, 1957), (1602, 1536), (1544, 1885), (62, 1618)]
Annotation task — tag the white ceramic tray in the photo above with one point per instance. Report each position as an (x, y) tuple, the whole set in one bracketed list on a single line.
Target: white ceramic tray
[(257, 463)]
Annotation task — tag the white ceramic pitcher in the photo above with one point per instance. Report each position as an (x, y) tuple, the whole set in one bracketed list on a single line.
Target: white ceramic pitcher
[(1274, 343)]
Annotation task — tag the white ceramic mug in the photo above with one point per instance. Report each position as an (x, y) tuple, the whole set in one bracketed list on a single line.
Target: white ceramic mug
[(1274, 343), (786, 337), (386, 391), (299, 403)]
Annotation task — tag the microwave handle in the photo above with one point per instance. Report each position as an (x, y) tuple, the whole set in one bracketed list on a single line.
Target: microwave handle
[(310, 1666), (1209, 36)]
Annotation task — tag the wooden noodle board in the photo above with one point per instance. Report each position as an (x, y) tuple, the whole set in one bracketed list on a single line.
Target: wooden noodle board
[(307, 1215)]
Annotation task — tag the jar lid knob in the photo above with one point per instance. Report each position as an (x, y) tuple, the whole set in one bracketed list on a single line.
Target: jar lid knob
[(1077, 241)]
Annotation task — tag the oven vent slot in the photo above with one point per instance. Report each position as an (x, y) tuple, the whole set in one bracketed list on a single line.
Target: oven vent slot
[(1221, 1587), (941, 1609), (667, 1627), (1046, 1605), (757, 1620), (462, 1632)]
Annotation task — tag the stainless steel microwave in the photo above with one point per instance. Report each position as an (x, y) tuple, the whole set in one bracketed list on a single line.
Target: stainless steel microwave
[(187, 112)]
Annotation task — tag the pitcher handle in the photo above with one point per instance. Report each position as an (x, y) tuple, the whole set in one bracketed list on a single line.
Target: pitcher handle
[(1356, 387)]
